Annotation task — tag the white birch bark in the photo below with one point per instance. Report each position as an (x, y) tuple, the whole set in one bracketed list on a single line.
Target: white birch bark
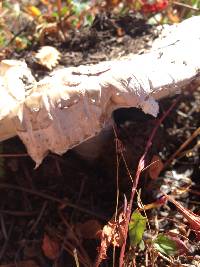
[(74, 104)]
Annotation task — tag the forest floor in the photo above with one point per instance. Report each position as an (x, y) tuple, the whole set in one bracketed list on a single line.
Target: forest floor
[(46, 213)]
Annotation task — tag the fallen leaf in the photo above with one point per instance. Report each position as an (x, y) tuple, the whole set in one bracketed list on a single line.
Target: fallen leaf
[(48, 57), (120, 32), (33, 11), (156, 204), (90, 229), (113, 234), (21, 43), (155, 167), (50, 247), (172, 15), (193, 219), (45, 2)]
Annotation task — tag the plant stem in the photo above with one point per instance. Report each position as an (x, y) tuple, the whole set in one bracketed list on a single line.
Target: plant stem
[(137, 176)]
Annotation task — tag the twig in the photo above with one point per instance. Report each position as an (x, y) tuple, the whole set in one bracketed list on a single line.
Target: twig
[(4, 155), (137, 176), (74, 237), (165, 258), (192, 191), (3, 249), (3, 227), (76, 257), (19, 213), (16, 35), (185, 5), (39, 216), (59, 8), (185, 144), (117, 185), (68, 246), (52, 198)]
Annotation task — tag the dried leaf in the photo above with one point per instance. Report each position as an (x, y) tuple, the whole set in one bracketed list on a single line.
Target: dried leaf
[(193, 219), (113, 234), (172, 15), (48, 57), (112, 3), (33, 11), (156, 204), (90, 229), (21, 43), (155, 167), (51, 248), (45, 2), (137, 227), (120, 32)]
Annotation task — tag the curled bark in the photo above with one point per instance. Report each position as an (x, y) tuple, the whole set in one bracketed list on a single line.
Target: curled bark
[(74, 104)]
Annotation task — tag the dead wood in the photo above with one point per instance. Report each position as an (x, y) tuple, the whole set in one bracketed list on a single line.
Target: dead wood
[(73, 104)]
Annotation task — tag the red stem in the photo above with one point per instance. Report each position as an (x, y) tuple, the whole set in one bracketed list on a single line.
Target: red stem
[(137, 176)]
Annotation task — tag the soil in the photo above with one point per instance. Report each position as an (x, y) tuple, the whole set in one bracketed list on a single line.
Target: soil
[(65, 192)]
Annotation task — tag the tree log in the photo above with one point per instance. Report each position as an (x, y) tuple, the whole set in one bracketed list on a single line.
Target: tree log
[(73, 104)]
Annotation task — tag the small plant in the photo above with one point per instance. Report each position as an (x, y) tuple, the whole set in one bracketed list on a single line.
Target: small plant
[(137, 226)]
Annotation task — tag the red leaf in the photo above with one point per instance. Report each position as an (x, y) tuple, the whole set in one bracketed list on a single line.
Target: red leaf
[(156, 204), (155, 167), (90, 229), (51, 248), (157, 6), (113, 234), (193, 219), (181, 246)]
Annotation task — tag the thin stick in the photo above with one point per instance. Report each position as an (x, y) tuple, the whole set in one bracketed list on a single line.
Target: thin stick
[(185, 5), (3, 227), (137, 176), (76, 257), (49, 197), (117, 187), (5, 245), (2, 155), (19, 213), (69, 247), (81, 250), (44, 206), (59, 8), (185, 144)]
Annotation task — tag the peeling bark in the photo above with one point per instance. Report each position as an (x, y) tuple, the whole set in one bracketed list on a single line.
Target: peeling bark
[(74, 104)]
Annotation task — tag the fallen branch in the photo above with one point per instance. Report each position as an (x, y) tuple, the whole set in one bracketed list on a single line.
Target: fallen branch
[(74, 104)]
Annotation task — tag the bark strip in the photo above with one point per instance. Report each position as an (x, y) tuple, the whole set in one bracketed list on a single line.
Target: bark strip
[(74, 104)]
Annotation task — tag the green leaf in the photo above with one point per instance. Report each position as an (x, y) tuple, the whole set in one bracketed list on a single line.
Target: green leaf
[(55, 14), (2, 39), (88, 20), (142, 245), (64, 11), (137, 227), (165, 245)]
